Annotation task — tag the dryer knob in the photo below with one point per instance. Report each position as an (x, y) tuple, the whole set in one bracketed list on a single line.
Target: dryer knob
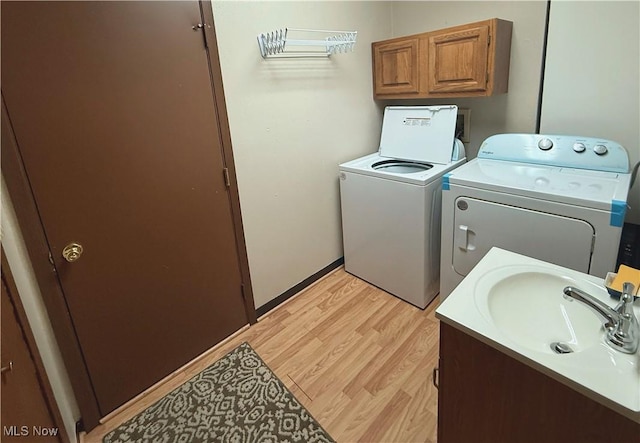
[(579, 147), (545, 144), (600, 149)]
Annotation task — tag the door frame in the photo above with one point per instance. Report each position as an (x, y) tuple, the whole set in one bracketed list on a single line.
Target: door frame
[(41, 373), (38, 249), (227, 156)]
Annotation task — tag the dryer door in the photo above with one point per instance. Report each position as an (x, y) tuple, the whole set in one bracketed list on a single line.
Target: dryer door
[(480, 225)]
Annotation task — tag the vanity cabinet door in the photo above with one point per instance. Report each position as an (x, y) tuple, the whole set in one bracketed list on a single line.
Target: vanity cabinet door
[(485, 395), (458, 60)]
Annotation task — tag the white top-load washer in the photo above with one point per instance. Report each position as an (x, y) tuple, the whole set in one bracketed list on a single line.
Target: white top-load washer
[(557, 198), (391, 202)]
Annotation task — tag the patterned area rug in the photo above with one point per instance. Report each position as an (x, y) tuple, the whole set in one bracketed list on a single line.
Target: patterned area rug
[(237, 399)]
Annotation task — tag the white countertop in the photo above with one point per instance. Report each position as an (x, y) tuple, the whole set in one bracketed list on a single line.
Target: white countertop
[(601, 373)]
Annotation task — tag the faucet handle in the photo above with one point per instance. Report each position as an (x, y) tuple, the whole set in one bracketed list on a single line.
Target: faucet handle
[(627, 292), (625, 307), (627, 333)]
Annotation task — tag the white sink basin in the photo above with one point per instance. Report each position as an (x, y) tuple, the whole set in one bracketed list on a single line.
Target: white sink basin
[(516, 304), (527, 304)]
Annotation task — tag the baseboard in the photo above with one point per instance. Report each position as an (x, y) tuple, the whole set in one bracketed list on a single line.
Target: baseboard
[(299, 287)]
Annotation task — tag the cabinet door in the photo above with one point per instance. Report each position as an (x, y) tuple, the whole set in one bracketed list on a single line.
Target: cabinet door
[(479, 386), (458, 60), (396, 67)]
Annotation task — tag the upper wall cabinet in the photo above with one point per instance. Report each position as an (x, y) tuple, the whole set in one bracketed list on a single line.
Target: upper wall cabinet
[(395, 66), (464, 61)]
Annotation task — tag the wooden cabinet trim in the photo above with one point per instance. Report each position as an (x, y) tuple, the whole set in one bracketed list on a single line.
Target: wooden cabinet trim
[(499, 57)]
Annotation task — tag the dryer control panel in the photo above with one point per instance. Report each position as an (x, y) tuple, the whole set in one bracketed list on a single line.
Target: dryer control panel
[(557, 150)]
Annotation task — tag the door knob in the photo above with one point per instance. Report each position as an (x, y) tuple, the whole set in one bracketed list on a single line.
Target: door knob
[(72, 252)]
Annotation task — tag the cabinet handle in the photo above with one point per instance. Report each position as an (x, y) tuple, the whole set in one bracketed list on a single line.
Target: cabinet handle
[(7, 368), (436, 377)]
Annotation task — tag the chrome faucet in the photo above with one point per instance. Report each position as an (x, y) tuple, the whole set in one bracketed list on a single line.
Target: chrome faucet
[(623, 332)]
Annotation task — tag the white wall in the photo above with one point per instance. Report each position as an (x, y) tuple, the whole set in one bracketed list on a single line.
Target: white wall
[(512, 112), (39, 323), (292, 122), (592, 76)]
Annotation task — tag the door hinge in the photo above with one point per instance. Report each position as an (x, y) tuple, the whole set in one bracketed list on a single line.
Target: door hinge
[(227, 181), (53, 265), (244, 296), (202, 27), (489, 40)]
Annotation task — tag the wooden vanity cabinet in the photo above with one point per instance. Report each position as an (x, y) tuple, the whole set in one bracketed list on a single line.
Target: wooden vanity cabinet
[(462, 61), (486, 396)]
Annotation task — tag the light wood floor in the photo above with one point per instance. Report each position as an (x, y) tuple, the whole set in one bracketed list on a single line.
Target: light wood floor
[(359, 359)]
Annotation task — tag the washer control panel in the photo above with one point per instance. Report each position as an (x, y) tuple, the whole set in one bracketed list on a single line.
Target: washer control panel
[(557, 150)]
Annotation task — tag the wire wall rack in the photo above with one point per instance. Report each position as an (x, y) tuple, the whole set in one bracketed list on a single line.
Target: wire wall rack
[(293, 42)]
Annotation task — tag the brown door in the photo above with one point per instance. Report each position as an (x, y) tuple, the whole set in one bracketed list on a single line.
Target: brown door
[(112, 108), (25, 414)]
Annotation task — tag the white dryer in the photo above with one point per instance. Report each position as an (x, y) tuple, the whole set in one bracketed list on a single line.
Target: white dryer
[(391, 202), (557, 198)]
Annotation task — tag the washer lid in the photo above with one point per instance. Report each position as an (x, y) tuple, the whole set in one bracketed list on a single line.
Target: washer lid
[(419, 133)]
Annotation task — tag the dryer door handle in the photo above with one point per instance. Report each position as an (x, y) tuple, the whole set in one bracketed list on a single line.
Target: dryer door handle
[(462, 237)]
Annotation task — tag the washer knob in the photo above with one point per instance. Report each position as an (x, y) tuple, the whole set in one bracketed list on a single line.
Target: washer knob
[(579, 147), (600, 149), (545, 144)]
